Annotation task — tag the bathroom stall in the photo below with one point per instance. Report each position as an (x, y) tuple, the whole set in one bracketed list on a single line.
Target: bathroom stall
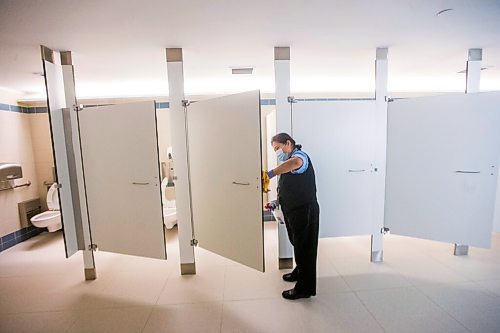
[(123, 182), (116, 148), (341, 148), (441, 172), (442, 167)]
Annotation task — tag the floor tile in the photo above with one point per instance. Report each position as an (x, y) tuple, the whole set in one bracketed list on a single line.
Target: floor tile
[(408, 310), (203, 317)]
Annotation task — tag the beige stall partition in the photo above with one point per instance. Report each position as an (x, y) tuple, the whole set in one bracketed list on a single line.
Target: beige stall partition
[(442, 155), (225, 163), (122, 178), (62, 148)]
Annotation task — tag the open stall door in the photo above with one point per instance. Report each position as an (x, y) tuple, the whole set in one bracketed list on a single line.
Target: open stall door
[(122, 178), (225, 163), (442, 166), (62, 150), (338, 136)]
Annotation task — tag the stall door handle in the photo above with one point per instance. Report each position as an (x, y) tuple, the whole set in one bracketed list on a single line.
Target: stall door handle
[(237, 183), (357, 170), (465, 171), (139, 183)]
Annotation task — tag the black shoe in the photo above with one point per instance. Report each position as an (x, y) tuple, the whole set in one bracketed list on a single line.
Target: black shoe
[(293, 294), (289, 277)]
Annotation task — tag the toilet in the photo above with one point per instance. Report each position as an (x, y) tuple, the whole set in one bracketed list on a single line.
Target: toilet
[(169, 210), (50, 219)]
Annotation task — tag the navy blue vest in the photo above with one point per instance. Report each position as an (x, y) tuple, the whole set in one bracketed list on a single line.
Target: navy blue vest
[(296, 190)]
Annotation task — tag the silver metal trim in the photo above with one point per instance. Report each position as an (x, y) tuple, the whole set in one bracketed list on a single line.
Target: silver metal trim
[(461, 250), (188, 269), (90, 274), (475, 55), (285, 263), (377, 256), (381, 53), (281, 53)]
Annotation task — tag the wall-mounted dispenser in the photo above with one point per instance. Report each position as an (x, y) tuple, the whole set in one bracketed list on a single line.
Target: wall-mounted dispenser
[(8, 173)]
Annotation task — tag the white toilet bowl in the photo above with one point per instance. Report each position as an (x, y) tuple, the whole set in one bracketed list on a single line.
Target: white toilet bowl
[(169, 210), (169, 217), (50, 219)]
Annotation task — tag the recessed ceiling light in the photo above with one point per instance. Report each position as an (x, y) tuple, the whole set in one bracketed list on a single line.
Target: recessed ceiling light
[(242, 70), (444, 11)]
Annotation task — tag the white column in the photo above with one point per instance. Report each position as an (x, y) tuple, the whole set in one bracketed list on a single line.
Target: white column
[(473, 76), (79, 201), (179, 149), (381, 75), (473, 71), (283, 124)]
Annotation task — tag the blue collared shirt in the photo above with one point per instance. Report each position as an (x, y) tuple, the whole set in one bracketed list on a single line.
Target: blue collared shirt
[(305, 161)]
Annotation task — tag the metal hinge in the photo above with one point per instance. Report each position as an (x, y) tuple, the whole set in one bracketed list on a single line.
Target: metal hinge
[(58, 185), (384, 230), (78, 107), (93, 247), (194, 242), (389, 99), (185, 103), (291, 99)]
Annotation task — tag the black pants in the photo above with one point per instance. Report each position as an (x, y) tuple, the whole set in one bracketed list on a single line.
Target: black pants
[(302, 225)]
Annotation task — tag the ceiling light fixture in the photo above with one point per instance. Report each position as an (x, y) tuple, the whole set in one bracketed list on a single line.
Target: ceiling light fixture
[(444, 11), (242, 70)]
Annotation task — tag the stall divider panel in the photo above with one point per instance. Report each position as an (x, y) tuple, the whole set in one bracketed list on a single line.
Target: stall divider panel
[(442, 167), (122, 178), (225, 164)]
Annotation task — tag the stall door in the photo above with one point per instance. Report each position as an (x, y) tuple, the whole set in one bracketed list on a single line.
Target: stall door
[(225, 163), (338, 136), (442, 166), (122, 178)]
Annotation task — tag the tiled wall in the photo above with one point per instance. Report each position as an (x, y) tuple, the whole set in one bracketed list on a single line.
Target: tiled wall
[(19, 236), (16, 146), (22, 109)]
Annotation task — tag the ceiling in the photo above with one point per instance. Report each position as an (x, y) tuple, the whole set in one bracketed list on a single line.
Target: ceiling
[(119, 46)]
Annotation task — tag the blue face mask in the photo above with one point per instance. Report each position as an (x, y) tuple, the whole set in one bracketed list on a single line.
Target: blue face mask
[(282, 157)]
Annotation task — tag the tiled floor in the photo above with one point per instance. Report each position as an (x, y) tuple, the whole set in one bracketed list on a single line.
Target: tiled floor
[(420, 287)]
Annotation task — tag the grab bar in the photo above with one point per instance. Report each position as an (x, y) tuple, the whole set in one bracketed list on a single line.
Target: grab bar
[(16, 186)]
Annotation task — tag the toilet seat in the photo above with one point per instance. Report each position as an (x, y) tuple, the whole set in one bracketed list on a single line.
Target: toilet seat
[(53, 198), (45, 216)]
